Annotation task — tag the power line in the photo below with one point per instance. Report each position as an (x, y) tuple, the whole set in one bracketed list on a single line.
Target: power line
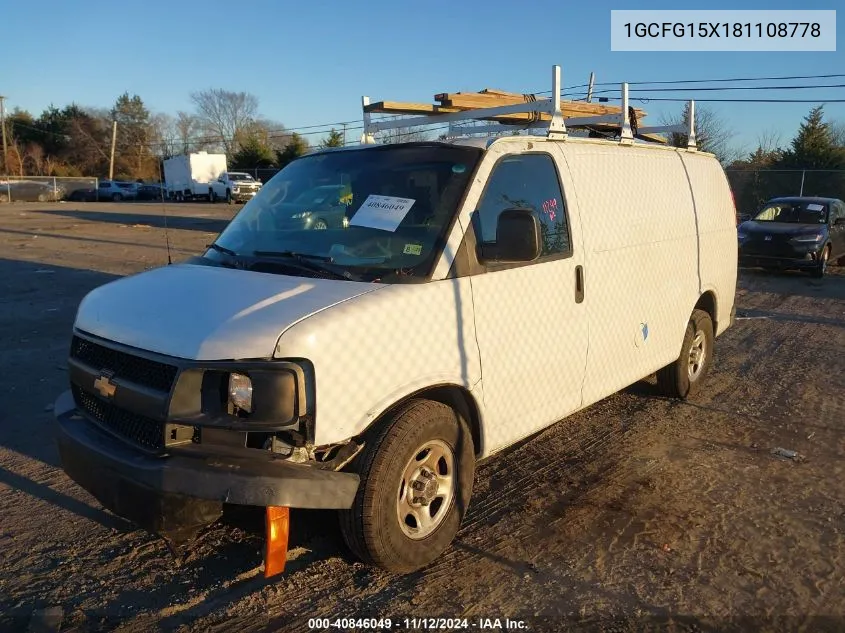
[(698, 81), (728, 88)]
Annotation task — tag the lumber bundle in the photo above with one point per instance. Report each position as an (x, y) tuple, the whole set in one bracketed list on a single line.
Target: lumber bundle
[(448, 103)]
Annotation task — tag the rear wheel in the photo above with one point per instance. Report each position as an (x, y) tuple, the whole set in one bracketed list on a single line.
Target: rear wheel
[(683, 377), (416, 482), (212, 197), (821, 270), (116, 197), (320, 225), (4, 197)]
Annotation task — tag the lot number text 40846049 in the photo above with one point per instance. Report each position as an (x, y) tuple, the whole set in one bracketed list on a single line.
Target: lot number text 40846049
[(418, 624)]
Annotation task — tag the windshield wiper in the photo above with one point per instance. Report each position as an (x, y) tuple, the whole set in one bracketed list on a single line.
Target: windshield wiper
[(291, 254), (222, 249), (317, 263)]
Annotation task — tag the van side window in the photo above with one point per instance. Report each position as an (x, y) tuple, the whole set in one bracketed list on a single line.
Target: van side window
[(526, 181)]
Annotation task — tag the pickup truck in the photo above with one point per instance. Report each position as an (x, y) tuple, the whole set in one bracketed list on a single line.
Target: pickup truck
[(235, 186)]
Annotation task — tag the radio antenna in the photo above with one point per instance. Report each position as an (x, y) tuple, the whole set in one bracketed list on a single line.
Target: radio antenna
[(164, 210)]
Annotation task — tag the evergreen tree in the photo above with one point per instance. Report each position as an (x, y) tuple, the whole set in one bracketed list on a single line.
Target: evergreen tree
[(132, 149), (334, 139), (296, 147), (253, 153), (813, 147)]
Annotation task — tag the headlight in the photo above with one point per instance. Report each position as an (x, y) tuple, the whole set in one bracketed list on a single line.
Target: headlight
[(235, 189), (299, 216), (808, 238), (240, 391)]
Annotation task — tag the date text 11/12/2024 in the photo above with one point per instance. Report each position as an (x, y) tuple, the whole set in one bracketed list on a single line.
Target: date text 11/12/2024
[(416, 624)]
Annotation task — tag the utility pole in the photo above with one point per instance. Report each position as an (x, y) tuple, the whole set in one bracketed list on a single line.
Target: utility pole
[(113, 140), (590, 87), (344, 134), (3, 126)]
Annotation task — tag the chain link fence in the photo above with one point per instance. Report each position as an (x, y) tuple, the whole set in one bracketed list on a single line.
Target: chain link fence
[(752, 188), (47, 189)]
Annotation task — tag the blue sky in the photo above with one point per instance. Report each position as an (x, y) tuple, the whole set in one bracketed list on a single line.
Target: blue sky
[(310, 62)]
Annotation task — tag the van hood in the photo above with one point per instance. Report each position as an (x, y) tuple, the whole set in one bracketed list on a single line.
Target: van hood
[(207, 313)]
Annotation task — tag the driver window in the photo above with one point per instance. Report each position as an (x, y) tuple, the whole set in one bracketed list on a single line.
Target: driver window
[(526, 181)]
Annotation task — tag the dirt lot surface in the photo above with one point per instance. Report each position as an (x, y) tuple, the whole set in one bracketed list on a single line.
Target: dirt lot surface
[(638, 512)]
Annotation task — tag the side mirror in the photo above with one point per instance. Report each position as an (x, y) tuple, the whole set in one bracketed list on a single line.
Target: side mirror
[(518, 238)]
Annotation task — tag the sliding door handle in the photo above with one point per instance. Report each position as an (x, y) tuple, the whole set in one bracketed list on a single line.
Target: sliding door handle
[(579, 284)]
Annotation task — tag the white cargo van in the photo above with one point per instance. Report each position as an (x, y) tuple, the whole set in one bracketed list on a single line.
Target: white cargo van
[(478, 290)]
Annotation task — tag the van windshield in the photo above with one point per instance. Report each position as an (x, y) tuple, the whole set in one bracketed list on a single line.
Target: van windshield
[(374, 213)]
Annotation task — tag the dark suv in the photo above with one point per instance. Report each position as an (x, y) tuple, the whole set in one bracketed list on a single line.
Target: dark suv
[(797, 233)]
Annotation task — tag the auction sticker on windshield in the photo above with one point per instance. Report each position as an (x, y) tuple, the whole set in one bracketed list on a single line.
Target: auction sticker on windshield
[(382, 212), (815, 207)]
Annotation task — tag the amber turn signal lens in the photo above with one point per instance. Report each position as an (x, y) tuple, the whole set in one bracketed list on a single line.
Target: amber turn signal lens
[(277, 527)]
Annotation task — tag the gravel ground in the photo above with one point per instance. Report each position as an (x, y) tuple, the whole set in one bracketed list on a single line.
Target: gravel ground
[(638, 512)]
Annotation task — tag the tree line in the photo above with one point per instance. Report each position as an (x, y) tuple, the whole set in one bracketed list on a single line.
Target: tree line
[(76, 140), (812, 164)]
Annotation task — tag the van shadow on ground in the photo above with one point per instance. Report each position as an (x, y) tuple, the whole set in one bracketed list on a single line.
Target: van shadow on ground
[(157, 218)]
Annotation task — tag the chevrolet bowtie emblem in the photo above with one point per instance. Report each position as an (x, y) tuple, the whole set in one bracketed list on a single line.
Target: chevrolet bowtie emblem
[(105, 386)]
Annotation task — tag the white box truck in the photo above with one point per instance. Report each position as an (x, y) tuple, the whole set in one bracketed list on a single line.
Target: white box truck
[(193, 175)]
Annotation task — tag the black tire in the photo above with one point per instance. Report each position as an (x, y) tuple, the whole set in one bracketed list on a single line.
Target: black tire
[(371, 528), (821, 270), (116, 197), (320, 224), (676, 379), (229, 197), (212, 197), (4, 197)]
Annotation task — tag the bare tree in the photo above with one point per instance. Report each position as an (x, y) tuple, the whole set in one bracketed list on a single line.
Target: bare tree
[(163, 139), (225, 114), (33, 159), (187, 130), (711, 131), (837, 132), (770, 141)]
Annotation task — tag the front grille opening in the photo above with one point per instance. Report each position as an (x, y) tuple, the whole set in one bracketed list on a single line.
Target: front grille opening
[(141, 371), (137, 429)]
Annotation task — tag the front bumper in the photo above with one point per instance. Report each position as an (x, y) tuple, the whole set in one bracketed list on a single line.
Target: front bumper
[(242, 196), (187, 487), (803, 261)]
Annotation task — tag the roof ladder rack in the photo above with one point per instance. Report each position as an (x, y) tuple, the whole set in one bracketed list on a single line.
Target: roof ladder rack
[(540, 116)]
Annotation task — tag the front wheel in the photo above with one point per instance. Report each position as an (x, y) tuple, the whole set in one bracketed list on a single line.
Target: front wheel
[(212, 197), (229, 198), (821, 270), (416, 481), (683, 377), (116, 197)]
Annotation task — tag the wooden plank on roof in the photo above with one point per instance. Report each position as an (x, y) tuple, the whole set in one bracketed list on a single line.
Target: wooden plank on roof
[(570, 108)]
